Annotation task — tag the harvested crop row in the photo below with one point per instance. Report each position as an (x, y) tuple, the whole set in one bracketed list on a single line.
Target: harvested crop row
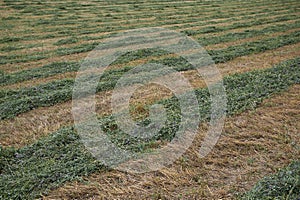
[(60, 157), (163, 15), (17, 58), (249, 40), (70, 41), (249, 33), (58, 68), (55, 68), (253, 145), (78, 50), (61, 71), (36, 37), (40, 122), (192, 13), (41, 48), (210, 29), (204, 22), (284, 184), (23, 100)]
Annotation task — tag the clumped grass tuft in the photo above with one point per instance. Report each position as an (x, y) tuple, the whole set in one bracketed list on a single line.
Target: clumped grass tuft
[(284, 185), (29, 171), (70, 40)]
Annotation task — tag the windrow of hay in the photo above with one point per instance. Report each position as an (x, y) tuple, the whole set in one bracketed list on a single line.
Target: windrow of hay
[(49, 42), (27, 127), (240, 41), (38, 81), (13, 67), (233, 41), (240, 19), (166, 13), (253, 145)]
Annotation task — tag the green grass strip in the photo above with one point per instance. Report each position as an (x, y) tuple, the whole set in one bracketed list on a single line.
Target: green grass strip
[(14, 102), (247, 34), (15, 47), (224, 55), (5, 59), (195, 21), (284, 185), (58, 19), (56, 68), (63, 67), (211, 29), (56, 31), (85, 30), (40, 72), (215, 29), (22, 58), (28, 172)]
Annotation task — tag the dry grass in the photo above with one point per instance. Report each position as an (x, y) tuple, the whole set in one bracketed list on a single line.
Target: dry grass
[(8, 11), (30, 126), (253, 144)]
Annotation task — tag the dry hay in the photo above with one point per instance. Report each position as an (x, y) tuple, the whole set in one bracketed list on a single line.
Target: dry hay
[(28, 127), (253, 144)]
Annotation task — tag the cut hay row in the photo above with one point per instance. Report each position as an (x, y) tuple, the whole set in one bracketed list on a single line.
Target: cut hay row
[(244, 28), (14, 102), (38, 80), (76, 39), (249, 39), (249, 33), (28, 65), (175, 20), (60, 71), (63, 53), (130, 17), (89, 36), (285, 184), (253, 144), (40, 122), (58, 68), (29, 171), (44, 71), (118, 18), (211, 29), (34, 37), (88, 46), (256, 47)]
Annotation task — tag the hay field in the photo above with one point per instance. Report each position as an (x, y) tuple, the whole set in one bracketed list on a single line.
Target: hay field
[(256, 47)]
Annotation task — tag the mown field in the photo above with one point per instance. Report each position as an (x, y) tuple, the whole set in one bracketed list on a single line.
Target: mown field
[(256, 47)]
